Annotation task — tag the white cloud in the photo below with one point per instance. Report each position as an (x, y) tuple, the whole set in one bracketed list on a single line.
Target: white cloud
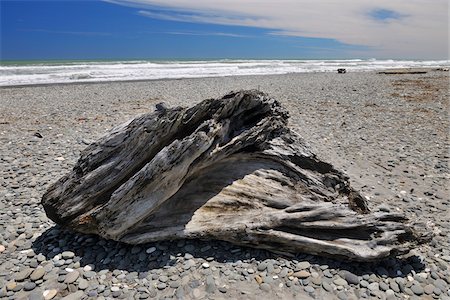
[(420, 32)]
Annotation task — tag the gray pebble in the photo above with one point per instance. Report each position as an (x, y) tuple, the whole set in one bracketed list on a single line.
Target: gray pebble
[(28, 286), (309, 289), (374, 286), (210, 284), (74, 296), (390, 295), (71, 277), (417, 289), (327, 287), (349, 277), (83, 284), (383, 286), (161, 286), (342, 296), (340, 281), (23, 274), (262, 266), (265, 287)]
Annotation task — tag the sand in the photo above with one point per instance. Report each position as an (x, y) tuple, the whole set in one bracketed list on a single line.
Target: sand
[(388, 133)]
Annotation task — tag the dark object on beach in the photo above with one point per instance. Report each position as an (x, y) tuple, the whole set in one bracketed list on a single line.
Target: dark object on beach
[(37, 134), (342, 71), (227, 169), (403, 71)]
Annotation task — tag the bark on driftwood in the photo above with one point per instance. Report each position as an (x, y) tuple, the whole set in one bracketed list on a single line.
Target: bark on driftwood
[(227, 169)]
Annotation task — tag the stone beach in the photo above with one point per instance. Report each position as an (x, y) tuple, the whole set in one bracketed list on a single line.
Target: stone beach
[(388, 133)]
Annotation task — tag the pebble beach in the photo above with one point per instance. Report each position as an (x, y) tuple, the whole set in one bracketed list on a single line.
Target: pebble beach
[(388, 132)]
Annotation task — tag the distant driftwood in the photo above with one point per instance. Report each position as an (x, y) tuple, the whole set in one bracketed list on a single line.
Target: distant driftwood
[(403, 71), (227, 169)]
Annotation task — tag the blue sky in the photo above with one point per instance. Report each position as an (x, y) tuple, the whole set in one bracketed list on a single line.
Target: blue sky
[(127, 29)]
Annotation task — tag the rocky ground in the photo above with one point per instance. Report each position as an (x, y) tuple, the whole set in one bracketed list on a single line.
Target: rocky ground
[(389, 133)]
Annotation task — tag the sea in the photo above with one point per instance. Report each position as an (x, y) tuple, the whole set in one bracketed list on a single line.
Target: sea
[(14, 73)]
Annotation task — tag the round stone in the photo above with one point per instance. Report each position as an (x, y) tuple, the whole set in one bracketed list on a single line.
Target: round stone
[(265, 287), (417, 289), (374, 286), (383, 286), (161, 286), (302, 274), (37, 274), (350, 277), (11, 285), (340, 281), (428, 289), (327, 287), (23, 274), (342, 296), (83, 284), (67, 254), (390, 295), (205, 265), (2, 248), (28, 286), (88, 268), (303, 265), (71, 277), (115, 289), (150, 250), (49, 294), (309, 289), (262, 266)]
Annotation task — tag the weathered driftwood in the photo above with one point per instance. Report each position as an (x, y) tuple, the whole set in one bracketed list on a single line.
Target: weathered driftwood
[(227, 169)]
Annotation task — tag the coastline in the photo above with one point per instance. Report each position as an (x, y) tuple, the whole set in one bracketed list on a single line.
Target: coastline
[(389, 133)]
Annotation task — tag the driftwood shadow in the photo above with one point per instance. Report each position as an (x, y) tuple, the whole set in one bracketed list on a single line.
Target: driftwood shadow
[(112, 255)]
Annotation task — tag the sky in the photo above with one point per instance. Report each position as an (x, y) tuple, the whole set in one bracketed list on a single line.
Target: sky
[(204, 29)]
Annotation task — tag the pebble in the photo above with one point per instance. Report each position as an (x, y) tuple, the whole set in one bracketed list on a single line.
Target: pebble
[(205, 265), (2, 248), (303, 265), (309, 289), (262, 266), (374, 286), (67, 254), (23, 274), (83, 284), (350, 277), (340, 281), (49, 294), (71, 277), (428, 289), (327, 287), (74, 296), (161, 286), (302, 274), (417, 289), (265, 287), (28, 286), (37, 274)]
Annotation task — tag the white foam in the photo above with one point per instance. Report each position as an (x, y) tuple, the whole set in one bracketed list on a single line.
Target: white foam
[(138, 70)]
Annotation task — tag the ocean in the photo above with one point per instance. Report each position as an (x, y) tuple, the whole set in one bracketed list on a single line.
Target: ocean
[(47, 72)]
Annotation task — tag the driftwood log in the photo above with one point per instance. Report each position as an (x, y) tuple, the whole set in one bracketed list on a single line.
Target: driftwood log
[(227, 169)]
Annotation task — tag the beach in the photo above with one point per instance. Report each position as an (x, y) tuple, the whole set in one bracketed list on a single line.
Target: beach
[(388, 132)]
